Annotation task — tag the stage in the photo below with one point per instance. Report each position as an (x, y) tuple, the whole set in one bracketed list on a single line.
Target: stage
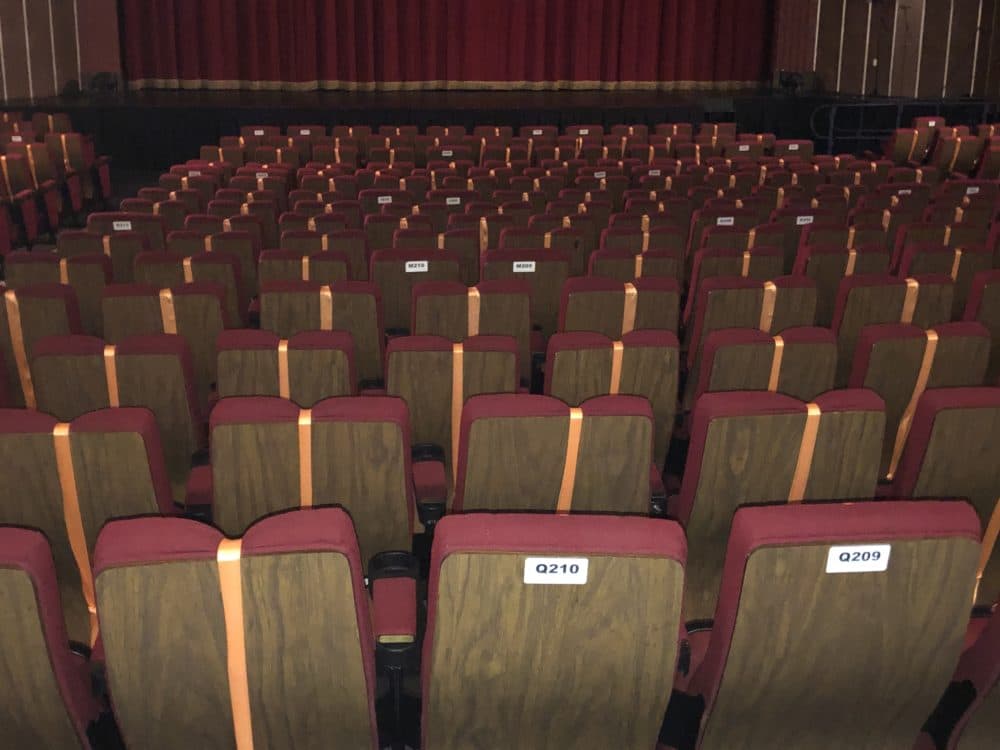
[(150, 130)]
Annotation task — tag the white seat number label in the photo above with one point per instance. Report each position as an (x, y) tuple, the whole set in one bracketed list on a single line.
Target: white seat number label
[(974, 190), (803, 220), (904, 191), (524, 266), (258, 132), (858, 558), (453, 200), (194, 173), (416, 266), (536, 131), (584, 131), (305, 131), (556, 570), (121, 226), (448, 152), (383, 199), (931, 123), (744, 147), (725, 221), (17, 139), (654, 173), (793, 147), (600, 175), (262, 175)]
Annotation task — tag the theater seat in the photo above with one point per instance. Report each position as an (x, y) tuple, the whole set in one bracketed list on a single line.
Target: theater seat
[(527, 452), (306, 368), (580, 366), (759, 447), (968, 714), (354, 452), (291, 307), (216, 663), (436, 378), (952, 451), (456, 312), (899, 362), (490, 680), (152, 371), (45, 692), (855, 656)]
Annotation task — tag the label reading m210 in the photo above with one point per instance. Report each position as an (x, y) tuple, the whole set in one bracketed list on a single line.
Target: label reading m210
[(725, 221), (453, 200), (858, 558), (121, 226), (416, 266), (384, 199), (801, 221), (556, 570), (524, 266)]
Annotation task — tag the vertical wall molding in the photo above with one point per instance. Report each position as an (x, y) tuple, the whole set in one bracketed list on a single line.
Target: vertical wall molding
[(975, 48), (52, 41), (819, 9), (947, 49), (892, 46), (27, 50), (3, 63), (868, 62), (76, 31), (840, 50), (920, 48)]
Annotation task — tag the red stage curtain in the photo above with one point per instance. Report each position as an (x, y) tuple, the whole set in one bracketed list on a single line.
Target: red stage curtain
[(430, 44)]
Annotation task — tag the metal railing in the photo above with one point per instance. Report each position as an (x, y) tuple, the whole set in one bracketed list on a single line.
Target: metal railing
[(852, 126)]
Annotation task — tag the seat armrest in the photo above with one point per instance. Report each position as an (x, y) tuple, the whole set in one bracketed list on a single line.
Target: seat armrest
[(430, 483), (392, 578), (394, 610), (199, 487)]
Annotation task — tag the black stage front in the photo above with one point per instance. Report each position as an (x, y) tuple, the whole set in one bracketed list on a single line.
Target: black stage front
[(153, 129)]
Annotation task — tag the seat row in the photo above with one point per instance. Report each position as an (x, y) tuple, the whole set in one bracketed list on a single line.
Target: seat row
[(511, 452), (291, 591), (51, 175)]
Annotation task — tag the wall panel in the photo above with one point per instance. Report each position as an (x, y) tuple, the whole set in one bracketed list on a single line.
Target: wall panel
[(852, 64)]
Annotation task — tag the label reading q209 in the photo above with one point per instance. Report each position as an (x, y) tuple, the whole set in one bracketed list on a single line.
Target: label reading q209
[(858, 558)]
